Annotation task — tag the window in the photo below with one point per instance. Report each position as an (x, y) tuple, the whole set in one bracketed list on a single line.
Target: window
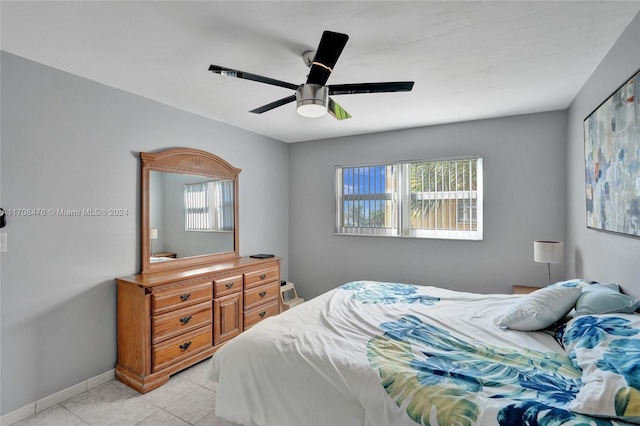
[(368, 199), (426, 199), (209, 206)]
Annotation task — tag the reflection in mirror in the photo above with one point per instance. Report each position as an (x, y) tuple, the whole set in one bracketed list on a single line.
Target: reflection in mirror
[(198, 228), (189, 215)]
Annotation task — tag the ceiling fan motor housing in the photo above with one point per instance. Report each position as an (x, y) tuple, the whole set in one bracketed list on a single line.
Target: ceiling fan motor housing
[(312, 100)]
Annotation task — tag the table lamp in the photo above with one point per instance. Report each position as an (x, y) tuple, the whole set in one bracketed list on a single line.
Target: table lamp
[(153, 235), (548, 252)]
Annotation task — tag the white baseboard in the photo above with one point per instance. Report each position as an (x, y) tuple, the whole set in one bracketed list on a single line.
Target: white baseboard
[(58, 397)]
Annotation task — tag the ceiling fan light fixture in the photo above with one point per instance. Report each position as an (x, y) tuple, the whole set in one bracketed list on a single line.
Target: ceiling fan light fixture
[(312, 100)]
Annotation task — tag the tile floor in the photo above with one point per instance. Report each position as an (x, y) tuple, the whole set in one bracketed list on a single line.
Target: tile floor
[(188, 399)]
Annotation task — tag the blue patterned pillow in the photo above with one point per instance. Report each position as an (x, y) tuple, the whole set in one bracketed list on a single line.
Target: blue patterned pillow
[(607, 350), (572, 283)]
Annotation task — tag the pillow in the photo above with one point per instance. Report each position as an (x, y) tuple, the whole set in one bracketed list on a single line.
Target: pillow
[(573, 283), (541, 308), (604, 299), (612, 286), (607, 350)]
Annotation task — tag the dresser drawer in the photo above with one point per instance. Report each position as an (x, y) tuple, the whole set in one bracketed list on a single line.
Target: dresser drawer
[(253, 279), (175, 296), (180, 321), (262, 294), (226, 286), (171, 351), (256, 315)]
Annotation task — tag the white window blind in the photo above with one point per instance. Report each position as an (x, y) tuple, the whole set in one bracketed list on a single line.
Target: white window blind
[(424, 199), (209, 206)]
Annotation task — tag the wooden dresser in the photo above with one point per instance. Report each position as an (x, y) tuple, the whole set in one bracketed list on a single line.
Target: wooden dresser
[(170, 320)]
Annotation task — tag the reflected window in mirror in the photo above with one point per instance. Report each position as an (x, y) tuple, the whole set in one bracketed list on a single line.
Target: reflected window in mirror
[(208, 206), (190, 217)]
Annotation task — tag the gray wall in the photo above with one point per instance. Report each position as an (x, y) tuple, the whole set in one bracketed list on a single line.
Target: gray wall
[(524, 200), (595, 254), (70, 143)]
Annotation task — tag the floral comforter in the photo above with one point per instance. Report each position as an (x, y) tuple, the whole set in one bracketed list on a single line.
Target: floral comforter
[(371, 353)]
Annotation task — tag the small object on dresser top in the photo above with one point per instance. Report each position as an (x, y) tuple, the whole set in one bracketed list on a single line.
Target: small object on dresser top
[(262, 256), (165, 254)]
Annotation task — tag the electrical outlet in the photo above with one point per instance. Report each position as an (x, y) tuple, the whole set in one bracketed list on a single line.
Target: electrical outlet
[(3, 242)]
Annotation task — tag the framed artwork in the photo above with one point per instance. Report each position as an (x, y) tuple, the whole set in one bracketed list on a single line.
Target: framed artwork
[(612, 161)]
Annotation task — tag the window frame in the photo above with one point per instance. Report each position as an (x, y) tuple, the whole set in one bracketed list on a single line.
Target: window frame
[(402, 197), (379, 231)]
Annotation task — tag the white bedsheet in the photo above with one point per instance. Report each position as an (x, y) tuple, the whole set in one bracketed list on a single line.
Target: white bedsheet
[(329, 361)]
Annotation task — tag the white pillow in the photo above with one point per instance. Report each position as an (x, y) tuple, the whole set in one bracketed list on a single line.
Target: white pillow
[(607, 350), (541, 308)]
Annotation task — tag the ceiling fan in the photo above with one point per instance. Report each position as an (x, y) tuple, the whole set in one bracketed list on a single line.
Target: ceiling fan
[(313, 97)]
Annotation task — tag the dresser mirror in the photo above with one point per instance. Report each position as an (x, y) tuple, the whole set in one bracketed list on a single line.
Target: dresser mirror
[(189, 209)]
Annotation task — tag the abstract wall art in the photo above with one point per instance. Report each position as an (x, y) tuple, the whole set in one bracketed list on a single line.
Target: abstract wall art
[(612, 161)]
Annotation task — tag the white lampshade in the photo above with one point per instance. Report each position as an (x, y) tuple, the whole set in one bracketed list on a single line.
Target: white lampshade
[(153, 233), (548, 251)]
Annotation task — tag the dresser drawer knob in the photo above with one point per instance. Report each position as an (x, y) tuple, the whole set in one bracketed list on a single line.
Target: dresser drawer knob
[(185, 296), (263, 293), (185, 346), (262, 314), (229, 285), (263, 276), (185, 320)]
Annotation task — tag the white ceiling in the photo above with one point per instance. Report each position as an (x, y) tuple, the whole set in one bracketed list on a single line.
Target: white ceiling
[(469, 60)]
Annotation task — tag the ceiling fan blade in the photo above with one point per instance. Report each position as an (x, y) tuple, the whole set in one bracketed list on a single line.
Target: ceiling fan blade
[(337, 111), (350, 89), (216, 69), (275, 104), (329, 50)]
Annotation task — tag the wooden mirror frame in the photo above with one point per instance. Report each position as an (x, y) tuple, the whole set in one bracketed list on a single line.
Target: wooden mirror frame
[(192, 162)]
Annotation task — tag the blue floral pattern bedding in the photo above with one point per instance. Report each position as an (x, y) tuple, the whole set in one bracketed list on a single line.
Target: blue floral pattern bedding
[(373, 353), (607, 350)]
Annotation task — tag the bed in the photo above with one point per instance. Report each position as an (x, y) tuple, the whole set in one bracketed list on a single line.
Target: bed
[(377, 353)]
